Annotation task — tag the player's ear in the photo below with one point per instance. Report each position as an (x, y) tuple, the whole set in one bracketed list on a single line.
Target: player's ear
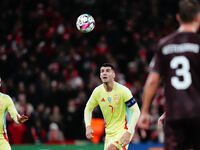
[(178, 18), (113, 74)]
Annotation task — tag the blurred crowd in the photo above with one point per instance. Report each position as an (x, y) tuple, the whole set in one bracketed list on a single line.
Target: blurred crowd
[(49, 68)]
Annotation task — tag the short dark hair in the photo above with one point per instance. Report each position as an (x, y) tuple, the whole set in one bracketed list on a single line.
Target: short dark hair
[(188, 9), (108, 65)]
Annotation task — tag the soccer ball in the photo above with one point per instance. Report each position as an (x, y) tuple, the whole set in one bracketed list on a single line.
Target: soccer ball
[(85, 23)]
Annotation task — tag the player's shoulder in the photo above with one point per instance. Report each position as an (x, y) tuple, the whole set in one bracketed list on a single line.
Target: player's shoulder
[(121, 87), (180, 36), (98, 89), (5, 96), (167, 38)]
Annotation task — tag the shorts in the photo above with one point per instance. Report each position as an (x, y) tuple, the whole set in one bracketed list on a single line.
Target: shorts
[(4, 145), (182, 134), (115, 140)]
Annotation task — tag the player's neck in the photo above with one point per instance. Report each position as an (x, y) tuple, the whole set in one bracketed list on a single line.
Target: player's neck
[(108, 86), (187, 28)]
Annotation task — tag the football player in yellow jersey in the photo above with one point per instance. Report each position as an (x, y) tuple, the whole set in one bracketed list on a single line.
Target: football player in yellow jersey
[(119, 109), (6, 104)]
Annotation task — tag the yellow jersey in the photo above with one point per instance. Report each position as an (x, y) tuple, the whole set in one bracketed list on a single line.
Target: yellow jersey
[(113, 107), (6, 104)]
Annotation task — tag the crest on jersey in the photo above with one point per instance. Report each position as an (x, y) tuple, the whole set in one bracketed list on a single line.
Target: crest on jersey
[(109, 99), (116, 99)]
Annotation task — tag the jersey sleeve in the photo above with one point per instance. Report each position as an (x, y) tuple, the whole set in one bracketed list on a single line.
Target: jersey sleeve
[(92, 102), (12, 110), (154, 65), (127, 95)]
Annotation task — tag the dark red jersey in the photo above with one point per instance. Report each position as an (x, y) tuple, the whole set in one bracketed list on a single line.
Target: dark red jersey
[(177, 59)]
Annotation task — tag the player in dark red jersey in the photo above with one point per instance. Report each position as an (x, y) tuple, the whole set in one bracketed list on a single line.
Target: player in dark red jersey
[(177, 61)]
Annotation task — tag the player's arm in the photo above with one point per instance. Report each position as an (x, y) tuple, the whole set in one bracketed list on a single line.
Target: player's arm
[(133, 107), (150, 88), (91, 104), (87, 119), (14, 114)]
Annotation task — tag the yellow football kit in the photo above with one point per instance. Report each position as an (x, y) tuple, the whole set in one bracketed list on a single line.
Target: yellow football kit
[(6, 104), (114, 107)]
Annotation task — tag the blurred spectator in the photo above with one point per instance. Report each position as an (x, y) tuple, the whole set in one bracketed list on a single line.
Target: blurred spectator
[(16, 133), (32, 95), (54, 136), (102, 47), (56, 116), (41, 115), (38, 132), (11, 88), (22, 106), (73, 121)]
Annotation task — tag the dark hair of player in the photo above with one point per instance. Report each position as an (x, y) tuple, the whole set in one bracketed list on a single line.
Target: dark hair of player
[(108, 65), (188, 9)]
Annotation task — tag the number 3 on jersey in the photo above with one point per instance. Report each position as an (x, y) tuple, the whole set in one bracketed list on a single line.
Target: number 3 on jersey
[(183, 71)]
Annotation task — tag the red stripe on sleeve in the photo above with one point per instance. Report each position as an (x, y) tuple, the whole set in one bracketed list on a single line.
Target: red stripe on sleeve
[(126, 127), (4, 135)]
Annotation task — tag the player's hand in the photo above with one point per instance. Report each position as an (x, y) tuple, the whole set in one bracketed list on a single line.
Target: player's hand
[(161, 120), (125, 139), (21, 119), (144, 121), (89, 132)]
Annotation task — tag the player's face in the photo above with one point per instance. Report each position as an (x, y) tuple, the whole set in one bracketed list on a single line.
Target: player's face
[(107, 74)]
